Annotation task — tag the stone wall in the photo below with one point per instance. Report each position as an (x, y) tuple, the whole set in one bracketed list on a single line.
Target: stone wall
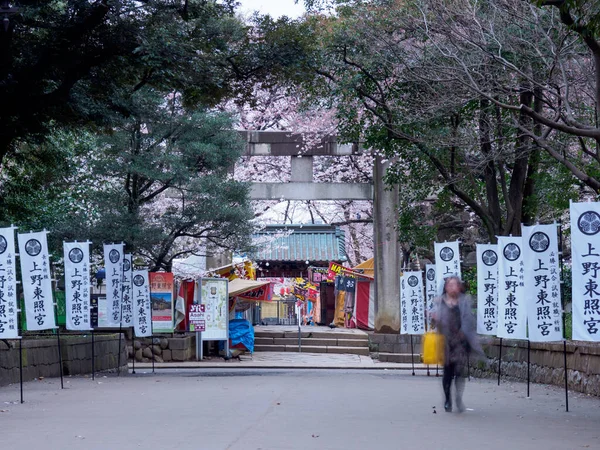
[(546, 363), (41, 359), (546, 360), (163, 349), (393, 343)]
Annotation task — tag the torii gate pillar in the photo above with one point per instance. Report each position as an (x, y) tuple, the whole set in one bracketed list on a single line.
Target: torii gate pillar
[(387, 252)]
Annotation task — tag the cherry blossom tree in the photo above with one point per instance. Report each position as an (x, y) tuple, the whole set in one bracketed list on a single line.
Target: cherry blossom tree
[(283, 108)]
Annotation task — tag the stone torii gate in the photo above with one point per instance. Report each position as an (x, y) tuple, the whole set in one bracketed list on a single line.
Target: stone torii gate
[(301, 187)]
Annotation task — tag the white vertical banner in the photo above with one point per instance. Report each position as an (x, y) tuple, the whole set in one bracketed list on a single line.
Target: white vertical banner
[(512, 308), (487, 288), (126, 303), (113, 267), (447, 262), (430, 291), (77, 285), (585, 250), (142, 308), (37, 282), (412, 303), (9, 328), (542, 283)]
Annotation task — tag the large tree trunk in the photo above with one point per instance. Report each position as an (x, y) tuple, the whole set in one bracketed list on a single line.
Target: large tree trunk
[(491, 184), (529, 215), (519, 173)]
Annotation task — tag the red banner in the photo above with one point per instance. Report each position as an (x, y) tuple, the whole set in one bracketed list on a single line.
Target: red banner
[(261, 294)]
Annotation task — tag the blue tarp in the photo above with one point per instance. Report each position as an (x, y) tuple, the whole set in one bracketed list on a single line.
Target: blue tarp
[(241, 331)]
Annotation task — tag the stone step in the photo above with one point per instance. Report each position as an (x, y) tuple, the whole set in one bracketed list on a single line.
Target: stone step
[(405, 358), (313, 349), (310, 334), (317, 342)]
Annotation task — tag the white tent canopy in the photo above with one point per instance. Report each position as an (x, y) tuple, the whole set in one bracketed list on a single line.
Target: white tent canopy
[(238, 286)]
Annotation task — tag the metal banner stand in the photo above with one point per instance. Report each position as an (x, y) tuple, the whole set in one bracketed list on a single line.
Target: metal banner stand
[(412, 355), (562, 297), (566, 377), (121, 314), (152, 348), (21, 367), (60, 360), (437, 372), (499, 361), (133, 347), (93, 357), (528, 365)]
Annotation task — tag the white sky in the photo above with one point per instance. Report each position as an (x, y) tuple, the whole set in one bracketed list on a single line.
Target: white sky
[(275, 8)]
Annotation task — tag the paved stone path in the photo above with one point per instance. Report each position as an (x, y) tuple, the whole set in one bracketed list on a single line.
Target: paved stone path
[(287, 360), (290, 409)]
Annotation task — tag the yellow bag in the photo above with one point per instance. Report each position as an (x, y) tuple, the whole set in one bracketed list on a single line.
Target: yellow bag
[(433, 348)]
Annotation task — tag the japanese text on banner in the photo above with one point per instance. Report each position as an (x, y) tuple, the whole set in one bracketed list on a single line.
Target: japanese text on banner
[(487, 289), (447, 262), (142, 313), (9, 328), (412, 304), (77, 285), (36, 279), (430, 292), (585, 248), (126, 303), (113, 265), (512, 311), (542, 283)]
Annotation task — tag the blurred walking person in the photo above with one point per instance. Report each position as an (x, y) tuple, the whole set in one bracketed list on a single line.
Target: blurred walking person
[(453, 317)]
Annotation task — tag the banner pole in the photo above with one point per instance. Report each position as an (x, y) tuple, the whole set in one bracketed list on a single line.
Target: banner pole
[(566, 377), (562, 300), (412, 355), (528, 365), (133, 348), (499, 361), (21, 367), (121, 314), (93, 356), (60, 360), (437, 373), (152, 348)]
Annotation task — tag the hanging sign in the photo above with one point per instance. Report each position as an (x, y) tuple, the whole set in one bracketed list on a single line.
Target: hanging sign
[(447, 262), (9, 328), (77, 285), (412, 304), (142, 309), (113, 267), (430, 292), (542, 283), (37, 283), (214, 297), (512, 309), (161, 293), (196, 317), (487, 289), (126, 303), (585, 248)]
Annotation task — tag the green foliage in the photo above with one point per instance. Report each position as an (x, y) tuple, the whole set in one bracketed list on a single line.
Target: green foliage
[(469, 277), (165, 185), (73, 62)]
